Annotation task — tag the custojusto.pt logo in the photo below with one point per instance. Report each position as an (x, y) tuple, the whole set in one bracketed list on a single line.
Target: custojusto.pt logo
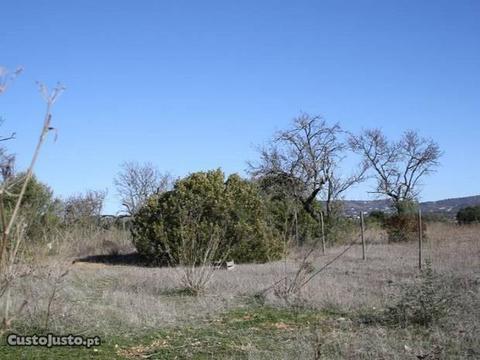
[(51, 340)]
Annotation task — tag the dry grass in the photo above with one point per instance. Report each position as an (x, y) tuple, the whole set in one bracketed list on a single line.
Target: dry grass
[(80, 242), (151, 295), (116, 299), (454, 248)]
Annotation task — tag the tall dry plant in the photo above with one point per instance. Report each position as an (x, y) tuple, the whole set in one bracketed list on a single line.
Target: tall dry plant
[(13, 227), (292, 282), (289, 288), (198, 266), (198, 255)]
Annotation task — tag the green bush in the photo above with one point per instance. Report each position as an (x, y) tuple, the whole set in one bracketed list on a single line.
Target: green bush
[(376, 217), (341, 230), (436, 218), (424, 302), (469, 215), (281, 217), (283, 205), (39, 209), (402, 227), (201, 206), (431, 299)]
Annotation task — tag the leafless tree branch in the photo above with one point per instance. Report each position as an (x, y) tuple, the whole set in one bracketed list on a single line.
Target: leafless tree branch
[(135, 182), (398, 166), (308, 153)]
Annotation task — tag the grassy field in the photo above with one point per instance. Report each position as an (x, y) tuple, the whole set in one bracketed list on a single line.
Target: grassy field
[(381, 308)]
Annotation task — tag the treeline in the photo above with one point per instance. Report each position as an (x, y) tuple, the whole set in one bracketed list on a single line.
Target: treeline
[(293, 195), (42, 213)]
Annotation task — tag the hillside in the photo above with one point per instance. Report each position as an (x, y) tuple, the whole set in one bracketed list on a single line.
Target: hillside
[(446, 207)]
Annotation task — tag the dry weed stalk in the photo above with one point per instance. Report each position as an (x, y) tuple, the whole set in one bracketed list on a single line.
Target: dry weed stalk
[(13, 229), (58, 279), (198, 260), (198, 256), (289, 288)]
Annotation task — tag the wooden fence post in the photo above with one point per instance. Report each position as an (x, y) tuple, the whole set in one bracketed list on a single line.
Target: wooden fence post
[(420, 238), (323, 232), (296, 228), (362, 227)]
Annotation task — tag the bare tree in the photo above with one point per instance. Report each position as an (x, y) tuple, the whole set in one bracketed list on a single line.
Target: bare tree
[(84, 208), (398, 166), (6, 77), (136, 182), (306, 157)]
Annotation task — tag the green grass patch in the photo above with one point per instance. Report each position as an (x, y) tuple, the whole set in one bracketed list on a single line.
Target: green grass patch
[(236, 334), (264, 332)]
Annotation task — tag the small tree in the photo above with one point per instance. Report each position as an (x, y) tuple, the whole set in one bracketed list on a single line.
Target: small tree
[(469, 215), (398, 166), (85, 208), (136, 182), (41, 211)]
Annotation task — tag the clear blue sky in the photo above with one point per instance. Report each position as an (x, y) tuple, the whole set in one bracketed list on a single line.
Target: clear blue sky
[(194, 85)]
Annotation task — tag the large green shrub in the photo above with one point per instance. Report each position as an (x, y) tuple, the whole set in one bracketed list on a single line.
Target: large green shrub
[(202, 206)]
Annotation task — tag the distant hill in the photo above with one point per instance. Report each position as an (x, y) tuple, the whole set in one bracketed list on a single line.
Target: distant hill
[(446, 207)]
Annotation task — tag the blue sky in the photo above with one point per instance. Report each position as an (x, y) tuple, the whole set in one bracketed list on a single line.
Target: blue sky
[(194, 85)]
